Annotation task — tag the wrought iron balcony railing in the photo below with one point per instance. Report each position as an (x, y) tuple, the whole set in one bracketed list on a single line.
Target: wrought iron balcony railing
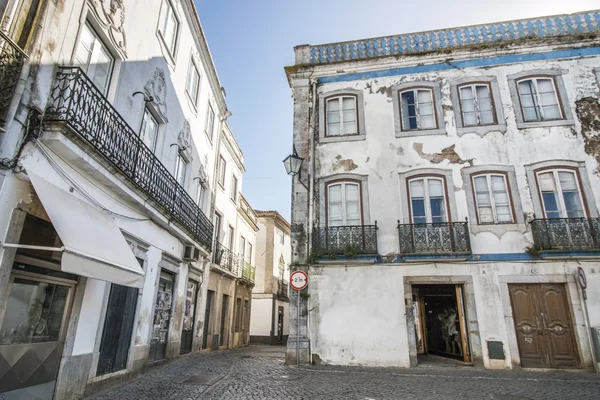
[(226, 259), (435, 238), (566, 234), (282, 287), (248, 272), (75, 101), (12, 59), (345, 240)]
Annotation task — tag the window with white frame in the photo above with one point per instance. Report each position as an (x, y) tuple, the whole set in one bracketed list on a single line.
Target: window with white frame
[(168, 26), (180, 169), (427, 200), (343, 204), (230, 237), (561, 194), (248, 256), (341, 116), (234, 188), (242, 247), (149, 130), (539, 99), (476, 104), (222, 168), (492, 198), (92, 56), (210, 122), (192, 85), (200, 196), (417, 109), (281, 236)]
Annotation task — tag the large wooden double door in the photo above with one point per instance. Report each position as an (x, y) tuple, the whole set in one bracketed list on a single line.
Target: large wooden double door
[(543, 325)]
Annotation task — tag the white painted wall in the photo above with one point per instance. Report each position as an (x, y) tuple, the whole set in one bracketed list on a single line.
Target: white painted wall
[(262, 312)]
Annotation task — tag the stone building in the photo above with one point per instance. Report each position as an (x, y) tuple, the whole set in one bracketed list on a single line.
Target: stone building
[(270, 301), (112, 122), (449, 196)]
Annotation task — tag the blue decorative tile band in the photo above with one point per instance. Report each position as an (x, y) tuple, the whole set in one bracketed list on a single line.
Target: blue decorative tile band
[(559, 25)]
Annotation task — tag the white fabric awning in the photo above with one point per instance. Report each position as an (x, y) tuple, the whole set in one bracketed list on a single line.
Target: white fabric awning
[(93, 244)]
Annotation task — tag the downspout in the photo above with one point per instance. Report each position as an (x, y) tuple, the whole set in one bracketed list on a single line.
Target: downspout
[(311, 184)]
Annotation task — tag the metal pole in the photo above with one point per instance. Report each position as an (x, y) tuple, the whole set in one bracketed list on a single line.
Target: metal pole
[(298, 329)]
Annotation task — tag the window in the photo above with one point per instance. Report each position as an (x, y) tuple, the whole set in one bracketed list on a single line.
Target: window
[(492, 199), (149, 131), (281, 236), (234, 184), (222, 167), (249, 254), (217, 226), (417, 109), (180, 169), (342, 116), (427, 200), (210, 123), (343, 204), (200, 196), (561, 196), (476, 105), (94, 58), (238, 315), (192, 85), (243, 247), (539, 100), (230, 238), (168, 26)]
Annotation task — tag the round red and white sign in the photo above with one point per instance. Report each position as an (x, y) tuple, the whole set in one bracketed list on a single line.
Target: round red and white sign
[(298, 280)]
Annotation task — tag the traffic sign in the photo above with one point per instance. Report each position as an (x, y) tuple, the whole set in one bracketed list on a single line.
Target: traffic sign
[(581, 277), (298, 280)]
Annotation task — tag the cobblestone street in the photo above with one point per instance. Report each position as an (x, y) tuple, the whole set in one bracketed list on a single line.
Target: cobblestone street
[(258, 372)]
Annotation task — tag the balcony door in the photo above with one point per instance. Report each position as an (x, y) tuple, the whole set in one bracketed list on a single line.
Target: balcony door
[(344, 216), (94, 58), (428, 207)]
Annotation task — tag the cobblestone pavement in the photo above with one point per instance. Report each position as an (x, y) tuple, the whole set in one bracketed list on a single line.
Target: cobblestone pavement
[(258, 373)]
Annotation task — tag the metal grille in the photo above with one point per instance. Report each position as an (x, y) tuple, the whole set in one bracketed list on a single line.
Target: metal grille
[(434, 238), (226, 259), (566, 233), (346, 240), (12, 59), (75, 101)]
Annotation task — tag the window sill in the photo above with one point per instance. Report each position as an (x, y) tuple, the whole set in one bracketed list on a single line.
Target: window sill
[(544, 124), (480, 130), (336, 139), (428, 132)]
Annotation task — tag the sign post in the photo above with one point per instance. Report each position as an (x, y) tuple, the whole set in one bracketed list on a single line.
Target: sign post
[(298, 282)]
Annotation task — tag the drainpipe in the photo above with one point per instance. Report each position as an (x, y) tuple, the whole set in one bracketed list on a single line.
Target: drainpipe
[(311, 170)]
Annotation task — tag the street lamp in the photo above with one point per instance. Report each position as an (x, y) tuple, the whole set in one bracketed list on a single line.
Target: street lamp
[(293, 165)]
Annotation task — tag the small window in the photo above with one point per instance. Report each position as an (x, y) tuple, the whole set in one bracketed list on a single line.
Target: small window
[(192, 85), (539, 99), (561, 195), (149, 130), (210, 123), (200, 196), (343, 204), (248, 257), (243, 247), (234, 188), (230, 237), (281, 236), (180, 169), (476, 105), (94, 58), (342, 116), (218, 219), (427, 200), (168, 26), (222, 168), (492, 199), (417, 109)]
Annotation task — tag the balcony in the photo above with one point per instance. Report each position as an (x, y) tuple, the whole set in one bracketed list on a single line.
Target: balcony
[(76, 102), (451, 238), (566, 234), (226, 259), (282, 288), (345, 240), (12, 59), (248, 272)]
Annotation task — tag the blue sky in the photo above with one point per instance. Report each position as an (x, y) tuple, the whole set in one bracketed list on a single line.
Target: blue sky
[(252, 40)]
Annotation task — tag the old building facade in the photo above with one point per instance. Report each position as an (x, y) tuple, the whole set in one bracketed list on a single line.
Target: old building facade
[(449, 196), (113, 123), (270, 316)]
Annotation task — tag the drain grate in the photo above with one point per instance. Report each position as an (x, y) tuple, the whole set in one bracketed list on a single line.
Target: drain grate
[(205, 380)]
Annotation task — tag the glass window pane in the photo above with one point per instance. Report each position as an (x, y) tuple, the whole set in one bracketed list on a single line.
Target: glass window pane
[(469, 118), (350, 128), (485, 215), (103, 68), (428, 122), (416, 189), (466, 93), (573, 204), (409, 110), (333, 129), (487, 117), (335, 193), (503, 213), (351, 192), (352, 211), (333, 105), (349, 104), (435, 188), (418, 210), (546, 181), (481, 184), (424, 96), (483, 199), (551, 205), (551, 112), (83, 53), (567, 180), (438, 213)]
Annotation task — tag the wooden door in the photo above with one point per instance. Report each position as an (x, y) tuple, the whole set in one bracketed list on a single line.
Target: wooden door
[(543, 325)]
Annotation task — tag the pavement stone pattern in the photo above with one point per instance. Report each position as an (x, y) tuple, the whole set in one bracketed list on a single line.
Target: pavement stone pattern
[(258, 373)]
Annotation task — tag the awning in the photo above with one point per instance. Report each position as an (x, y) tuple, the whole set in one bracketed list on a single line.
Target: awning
[(93, 245)]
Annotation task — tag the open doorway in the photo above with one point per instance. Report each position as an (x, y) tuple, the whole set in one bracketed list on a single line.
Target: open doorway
[(440, 323)]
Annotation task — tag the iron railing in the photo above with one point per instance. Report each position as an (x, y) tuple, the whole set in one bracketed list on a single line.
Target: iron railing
[(282, 287), (248, 272), (12, 59), (435, 238), (76, 101), (345, 240), (226, 259), (566, 234)]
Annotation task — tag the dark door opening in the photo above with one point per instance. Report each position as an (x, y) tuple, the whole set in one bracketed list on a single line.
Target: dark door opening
[(162, 317), (209, 300), (280, 325), (224, 317), (440, 322), (187, 332)]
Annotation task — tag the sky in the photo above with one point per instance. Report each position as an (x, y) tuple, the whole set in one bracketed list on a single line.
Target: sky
[(252, 40)]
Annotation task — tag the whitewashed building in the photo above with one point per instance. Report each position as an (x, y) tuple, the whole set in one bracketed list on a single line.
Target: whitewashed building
[(270, 301), (112, 118), (449, 196)]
